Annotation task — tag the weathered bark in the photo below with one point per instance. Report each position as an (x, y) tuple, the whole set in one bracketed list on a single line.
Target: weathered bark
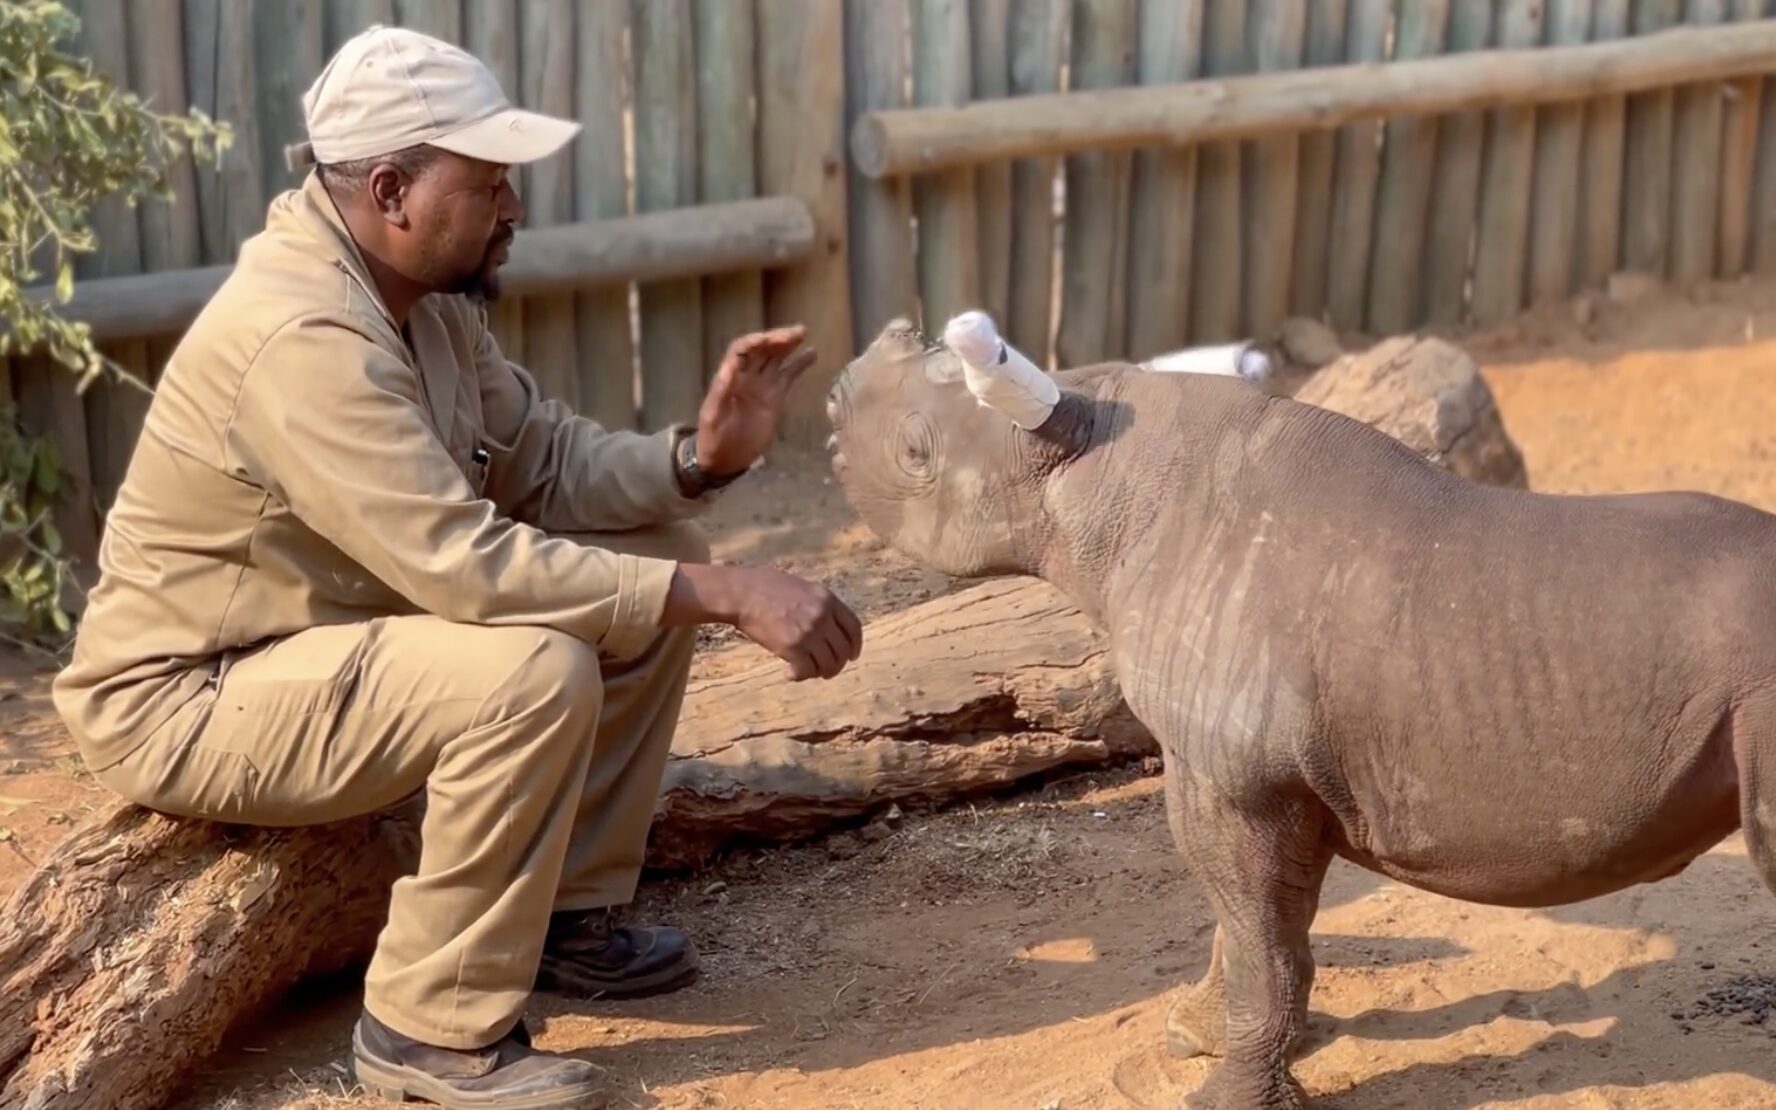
[(141, 941), (964, 693)]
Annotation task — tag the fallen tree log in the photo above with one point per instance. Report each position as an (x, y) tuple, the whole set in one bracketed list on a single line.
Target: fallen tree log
[(141, 941)]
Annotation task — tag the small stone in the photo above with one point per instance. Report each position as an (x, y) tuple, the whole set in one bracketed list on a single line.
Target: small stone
[(876, 833), (1584, 311), (715, 888), (1751, 1017), (893, 817), (842, 847), (1706, 965)]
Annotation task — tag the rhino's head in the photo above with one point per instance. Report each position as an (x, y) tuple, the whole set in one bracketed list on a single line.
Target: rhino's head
[(937, 471)]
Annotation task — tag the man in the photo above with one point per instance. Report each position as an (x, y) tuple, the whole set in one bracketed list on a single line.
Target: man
[(356, 556)]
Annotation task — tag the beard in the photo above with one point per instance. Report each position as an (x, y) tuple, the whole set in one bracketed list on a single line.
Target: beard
[(482, 284)]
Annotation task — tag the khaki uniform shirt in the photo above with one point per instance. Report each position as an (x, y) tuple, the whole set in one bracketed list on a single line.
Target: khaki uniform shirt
[(302, 465)]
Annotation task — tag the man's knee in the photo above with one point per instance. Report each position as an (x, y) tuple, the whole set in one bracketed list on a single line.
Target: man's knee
[(547, 672)]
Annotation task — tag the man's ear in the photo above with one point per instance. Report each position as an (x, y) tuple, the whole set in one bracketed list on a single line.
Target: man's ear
[(387, 189)]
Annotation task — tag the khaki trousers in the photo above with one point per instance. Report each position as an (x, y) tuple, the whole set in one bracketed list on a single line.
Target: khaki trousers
[(540, 762)]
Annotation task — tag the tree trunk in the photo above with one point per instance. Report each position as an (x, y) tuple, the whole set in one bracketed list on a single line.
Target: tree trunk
[(141, 941)]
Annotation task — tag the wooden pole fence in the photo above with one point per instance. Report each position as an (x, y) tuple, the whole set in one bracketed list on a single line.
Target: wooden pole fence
[(758, 234), (925, 140)]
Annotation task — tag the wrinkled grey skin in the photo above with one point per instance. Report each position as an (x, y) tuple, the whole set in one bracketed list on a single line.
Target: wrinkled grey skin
[(1500, 696)]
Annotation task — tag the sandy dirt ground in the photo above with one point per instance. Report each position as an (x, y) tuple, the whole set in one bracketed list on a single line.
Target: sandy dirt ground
[(1017, 953)]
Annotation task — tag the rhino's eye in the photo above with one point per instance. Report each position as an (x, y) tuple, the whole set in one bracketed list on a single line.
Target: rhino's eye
[(915, 447)]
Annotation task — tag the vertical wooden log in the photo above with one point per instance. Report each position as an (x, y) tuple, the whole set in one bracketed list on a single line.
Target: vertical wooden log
[(1696, 166), (1094, 254), (346, 18), (1279, 36), (1601, 168), (1162, 195), (1739, 131), (1455, 183), (172, 236), (1646, 177), (988, 24), (113, 410), (490, 32), (801, 122), (1501, 254), (727, 163), (949, 231), (1358, 169), (546, 77), (441, 19), (666, 177), (1763, 203), (287, 57), (1408, 161), (1217, 273), (607, 370), (1038, 34), (220, 79), (171, 231), (883, 284), (1560, 133), (1319, 151)]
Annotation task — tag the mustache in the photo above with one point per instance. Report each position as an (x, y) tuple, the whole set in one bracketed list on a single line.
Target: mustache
[(501, 238)]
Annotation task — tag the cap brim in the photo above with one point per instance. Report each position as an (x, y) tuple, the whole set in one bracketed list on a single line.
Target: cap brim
[(511, 137)]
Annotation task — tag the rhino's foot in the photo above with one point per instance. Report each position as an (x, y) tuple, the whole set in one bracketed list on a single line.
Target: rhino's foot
[(1226, 1089), (1196, 1022)]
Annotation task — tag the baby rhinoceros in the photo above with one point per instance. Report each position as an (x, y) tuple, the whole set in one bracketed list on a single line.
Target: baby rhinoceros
[(1502, 696)]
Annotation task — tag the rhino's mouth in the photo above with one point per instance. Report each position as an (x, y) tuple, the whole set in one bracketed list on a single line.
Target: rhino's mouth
[(838, 411)]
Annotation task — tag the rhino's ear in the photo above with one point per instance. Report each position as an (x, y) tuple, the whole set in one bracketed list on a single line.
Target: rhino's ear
[(998, 374)]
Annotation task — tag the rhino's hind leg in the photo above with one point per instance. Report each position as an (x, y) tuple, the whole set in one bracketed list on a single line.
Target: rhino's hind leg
[(1263, 872)]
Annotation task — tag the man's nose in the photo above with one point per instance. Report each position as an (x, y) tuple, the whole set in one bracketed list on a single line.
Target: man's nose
[(511, 209)]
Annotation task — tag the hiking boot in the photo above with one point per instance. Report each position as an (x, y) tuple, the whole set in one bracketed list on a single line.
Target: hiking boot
[(586, 955), (506, 1075)]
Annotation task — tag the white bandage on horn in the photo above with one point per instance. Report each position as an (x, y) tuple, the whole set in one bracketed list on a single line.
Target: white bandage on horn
[(998, 374), (1234, 360)]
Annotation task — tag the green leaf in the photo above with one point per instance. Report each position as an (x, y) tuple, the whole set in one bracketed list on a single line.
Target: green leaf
[(59, 618), (64, 288), (52, 539)]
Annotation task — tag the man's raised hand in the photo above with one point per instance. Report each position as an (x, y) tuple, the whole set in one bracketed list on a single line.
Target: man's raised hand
[(746, 398)]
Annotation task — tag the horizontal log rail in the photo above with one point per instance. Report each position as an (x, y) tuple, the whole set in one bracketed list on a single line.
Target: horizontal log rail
[(897, 142), (765, 233)]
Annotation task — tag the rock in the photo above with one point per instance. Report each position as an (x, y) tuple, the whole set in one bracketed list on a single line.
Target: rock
[(1429, 394)]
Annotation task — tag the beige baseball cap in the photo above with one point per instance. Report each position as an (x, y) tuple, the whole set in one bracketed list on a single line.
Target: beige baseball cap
[(390, 88)]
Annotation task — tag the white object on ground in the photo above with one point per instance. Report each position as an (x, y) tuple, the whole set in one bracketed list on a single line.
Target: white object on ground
[(998, 374), (1234, 360)]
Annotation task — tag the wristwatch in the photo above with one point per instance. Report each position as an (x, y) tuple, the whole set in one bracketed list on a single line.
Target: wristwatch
[(693, 480)]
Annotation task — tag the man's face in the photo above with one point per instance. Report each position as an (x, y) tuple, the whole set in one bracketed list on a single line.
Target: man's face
[(461, 215)]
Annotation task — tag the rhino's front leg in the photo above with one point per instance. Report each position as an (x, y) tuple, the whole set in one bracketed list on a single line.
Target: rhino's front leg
[(1196, 1021), (1262, 863)]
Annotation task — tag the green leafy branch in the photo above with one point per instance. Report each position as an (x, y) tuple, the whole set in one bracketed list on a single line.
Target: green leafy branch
[(69, 138)]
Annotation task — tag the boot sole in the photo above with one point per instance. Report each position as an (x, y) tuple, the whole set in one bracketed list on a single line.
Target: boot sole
[(395, 1083)]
